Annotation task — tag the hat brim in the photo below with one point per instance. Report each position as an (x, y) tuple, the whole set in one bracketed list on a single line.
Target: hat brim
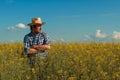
[(31, 24)]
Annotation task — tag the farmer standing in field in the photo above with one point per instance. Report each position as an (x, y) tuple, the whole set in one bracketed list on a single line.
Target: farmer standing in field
[(36, 43)]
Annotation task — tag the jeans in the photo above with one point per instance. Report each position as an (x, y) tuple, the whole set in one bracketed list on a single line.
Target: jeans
[(37, 59), (38, 64)]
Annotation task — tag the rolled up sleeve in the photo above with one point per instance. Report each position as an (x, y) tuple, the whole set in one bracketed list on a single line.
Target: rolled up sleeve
[(26, 44), (46, 39)]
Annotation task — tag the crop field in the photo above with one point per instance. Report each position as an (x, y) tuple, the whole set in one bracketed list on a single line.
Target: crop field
[(66, 61)]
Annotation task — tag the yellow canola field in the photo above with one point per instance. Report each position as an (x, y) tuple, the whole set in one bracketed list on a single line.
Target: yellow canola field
[(66, 61)]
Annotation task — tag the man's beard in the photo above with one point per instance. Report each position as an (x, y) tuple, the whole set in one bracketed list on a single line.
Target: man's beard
[(36, 32)]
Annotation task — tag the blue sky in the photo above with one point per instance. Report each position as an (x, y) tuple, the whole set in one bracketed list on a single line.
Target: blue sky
[(66, 20)]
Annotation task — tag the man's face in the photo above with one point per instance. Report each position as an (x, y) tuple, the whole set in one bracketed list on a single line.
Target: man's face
[(36, 28)]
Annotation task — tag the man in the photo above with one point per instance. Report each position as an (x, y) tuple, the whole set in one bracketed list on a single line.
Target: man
[(36, 42)]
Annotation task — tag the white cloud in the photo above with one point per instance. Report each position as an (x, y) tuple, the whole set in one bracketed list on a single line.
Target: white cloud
[(100, 35), (21, 26), (18, 26), (87, 36), (11, 28), (116, 35)]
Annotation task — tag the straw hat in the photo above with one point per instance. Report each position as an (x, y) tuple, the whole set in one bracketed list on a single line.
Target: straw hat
[(36, 21)]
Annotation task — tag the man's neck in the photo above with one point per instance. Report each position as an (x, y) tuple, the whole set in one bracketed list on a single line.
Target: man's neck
[(35, 33)]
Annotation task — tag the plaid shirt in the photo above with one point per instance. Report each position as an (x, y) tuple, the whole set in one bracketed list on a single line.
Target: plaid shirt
[(38, 39)]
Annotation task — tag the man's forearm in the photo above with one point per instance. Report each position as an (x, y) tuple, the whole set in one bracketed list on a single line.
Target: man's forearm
[(41, 47)]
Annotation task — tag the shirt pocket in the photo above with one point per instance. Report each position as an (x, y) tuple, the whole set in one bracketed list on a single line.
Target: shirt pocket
[(31, 41), (41, 40)]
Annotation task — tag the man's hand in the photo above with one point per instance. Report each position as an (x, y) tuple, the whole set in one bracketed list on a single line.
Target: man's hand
[(32, 51)]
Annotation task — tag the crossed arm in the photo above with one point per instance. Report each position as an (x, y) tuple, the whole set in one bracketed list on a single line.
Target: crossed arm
[(37, 48)]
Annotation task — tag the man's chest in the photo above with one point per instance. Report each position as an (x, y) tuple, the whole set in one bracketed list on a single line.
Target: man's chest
[(36, 40)]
